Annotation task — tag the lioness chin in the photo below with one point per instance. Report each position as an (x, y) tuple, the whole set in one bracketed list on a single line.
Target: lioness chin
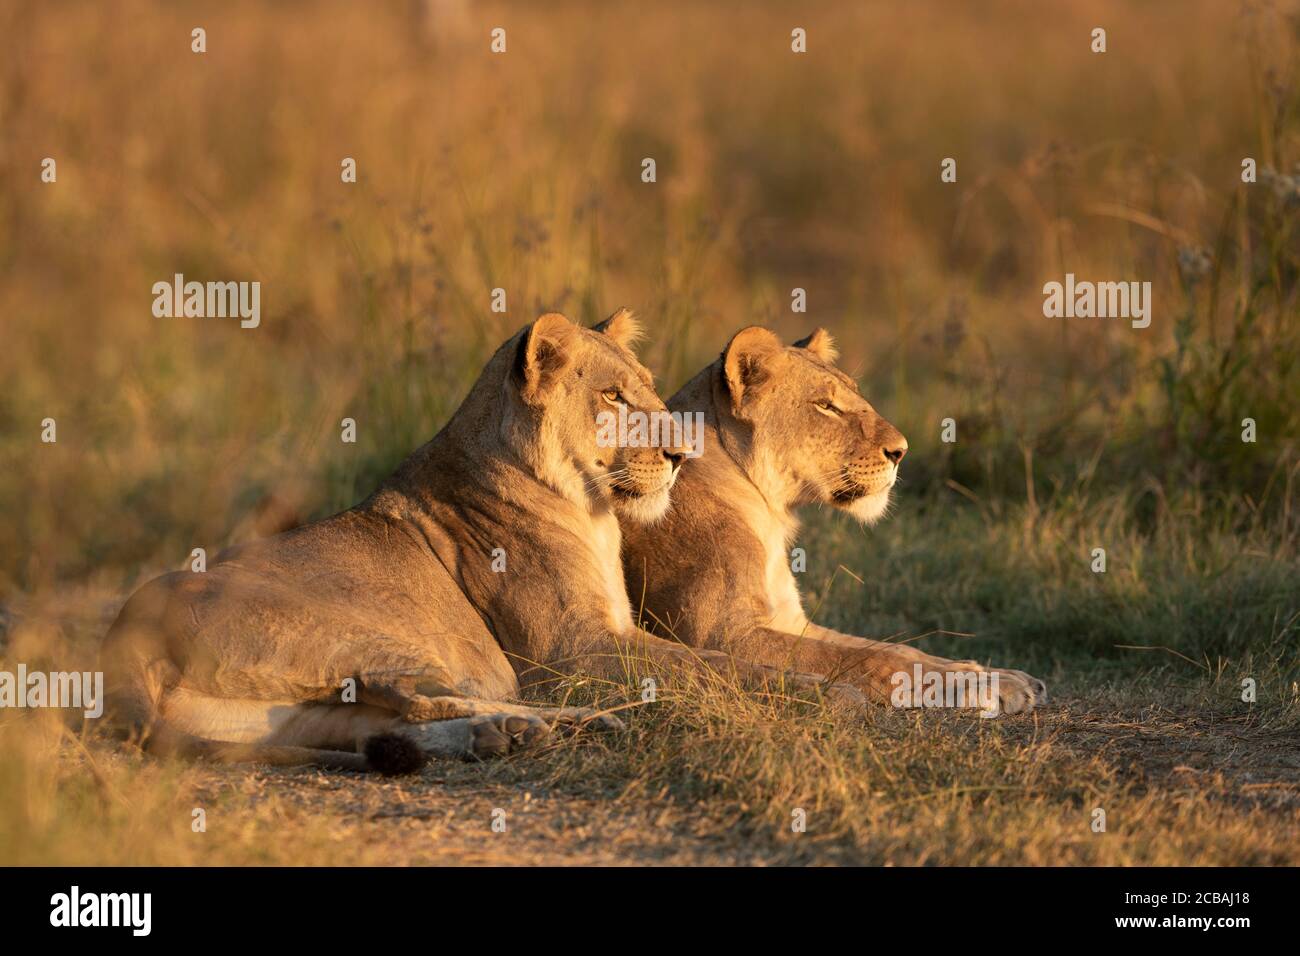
[(396, 629), (783, 427)]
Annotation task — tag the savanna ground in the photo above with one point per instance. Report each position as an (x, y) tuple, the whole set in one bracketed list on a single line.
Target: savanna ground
[(775, 171)]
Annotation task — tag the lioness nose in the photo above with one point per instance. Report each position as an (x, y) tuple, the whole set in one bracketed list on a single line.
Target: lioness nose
[(675, 457), (895, 450)]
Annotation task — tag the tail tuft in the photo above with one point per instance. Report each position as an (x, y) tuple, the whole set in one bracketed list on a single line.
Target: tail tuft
[(393, 755)]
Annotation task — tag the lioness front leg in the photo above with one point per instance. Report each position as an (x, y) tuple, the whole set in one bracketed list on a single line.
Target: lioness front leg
[(610, 654), (875, 666), (1017, 692)]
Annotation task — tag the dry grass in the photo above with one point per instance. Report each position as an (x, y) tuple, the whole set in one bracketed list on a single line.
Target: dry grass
[(713, 780), (1186, 772)]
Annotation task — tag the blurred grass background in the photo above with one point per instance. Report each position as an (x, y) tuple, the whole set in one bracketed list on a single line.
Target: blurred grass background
[(775, 171), (521, 171)]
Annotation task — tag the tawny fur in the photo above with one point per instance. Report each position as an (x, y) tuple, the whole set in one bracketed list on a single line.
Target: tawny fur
[(784, 428), (402, 597)]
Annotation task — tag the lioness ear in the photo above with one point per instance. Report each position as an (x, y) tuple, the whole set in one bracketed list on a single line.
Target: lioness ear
[(622, 327), (544, 353), (821, 345), (747, 361)]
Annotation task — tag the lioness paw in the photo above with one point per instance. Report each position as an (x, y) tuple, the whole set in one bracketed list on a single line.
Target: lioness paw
[(573, 719), (496, 735), (1018, 693), (995, 692), (1036, 687)]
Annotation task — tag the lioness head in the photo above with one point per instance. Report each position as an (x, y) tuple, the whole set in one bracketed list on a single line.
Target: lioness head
[(571, 383), (805, 432)]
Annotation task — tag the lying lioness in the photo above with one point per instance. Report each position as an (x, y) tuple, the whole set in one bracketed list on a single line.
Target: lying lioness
[(783, 427), (490, 555)]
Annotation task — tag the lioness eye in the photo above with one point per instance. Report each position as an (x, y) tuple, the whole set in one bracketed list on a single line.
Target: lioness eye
[(827, 406), (613, 396)]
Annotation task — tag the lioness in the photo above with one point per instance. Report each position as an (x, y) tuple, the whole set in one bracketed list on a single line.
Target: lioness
[(783, 427), (490, 555)]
